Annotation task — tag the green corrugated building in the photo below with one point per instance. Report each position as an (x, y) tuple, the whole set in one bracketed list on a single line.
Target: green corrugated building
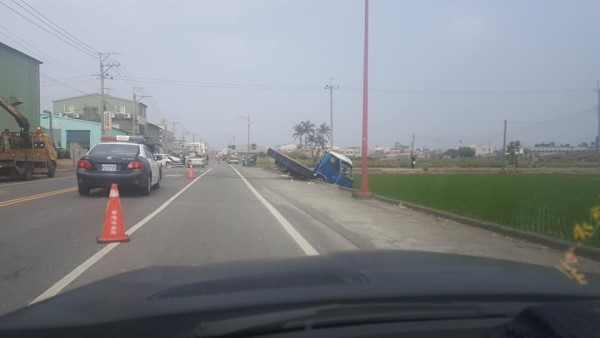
[(19, 84), (87, 107)]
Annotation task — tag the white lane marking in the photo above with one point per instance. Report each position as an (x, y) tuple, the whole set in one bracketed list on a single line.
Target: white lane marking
[(296, 236), (41, 180), (71, 276)]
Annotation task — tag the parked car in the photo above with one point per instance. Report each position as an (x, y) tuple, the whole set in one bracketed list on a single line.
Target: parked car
[(196, 162), (168, 161), (128, 164)]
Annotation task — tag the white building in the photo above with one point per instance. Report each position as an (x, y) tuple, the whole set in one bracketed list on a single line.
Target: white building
[(483, 150), (352, 151), (286, 148), (196, 147)]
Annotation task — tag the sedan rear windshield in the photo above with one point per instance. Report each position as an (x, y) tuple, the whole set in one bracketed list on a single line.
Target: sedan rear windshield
[(115, 149)]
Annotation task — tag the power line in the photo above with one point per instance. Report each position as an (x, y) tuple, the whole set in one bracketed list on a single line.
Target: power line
[(222, 85), (59, 27), (559, 118), (54, 83), (380, 90), (73, 88), (473, 92), (49, 32)]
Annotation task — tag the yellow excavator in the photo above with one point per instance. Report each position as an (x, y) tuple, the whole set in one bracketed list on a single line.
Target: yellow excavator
[(24, 153)]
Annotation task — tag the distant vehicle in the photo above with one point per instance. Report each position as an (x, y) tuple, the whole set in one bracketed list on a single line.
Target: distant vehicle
[(196, 162), (332, 168), (125, 162), (233, 159), (168, 161)]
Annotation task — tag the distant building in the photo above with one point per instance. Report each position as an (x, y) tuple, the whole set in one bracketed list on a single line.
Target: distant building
[(352, 151), (167, 139), (122, 111), (286, 148), (483, 150), (196, 147), (67, 131), (152, 135), (548, 150), (20, 85)]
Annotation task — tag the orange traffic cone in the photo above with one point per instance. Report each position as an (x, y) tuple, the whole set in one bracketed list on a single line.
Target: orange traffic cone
[(191, 172), (113, 229)]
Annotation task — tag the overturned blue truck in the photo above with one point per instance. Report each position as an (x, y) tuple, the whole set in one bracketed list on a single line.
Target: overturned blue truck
[(332, 168)]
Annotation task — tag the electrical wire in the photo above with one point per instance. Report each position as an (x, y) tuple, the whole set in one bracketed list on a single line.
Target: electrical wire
[(73, 38), (51, 33)]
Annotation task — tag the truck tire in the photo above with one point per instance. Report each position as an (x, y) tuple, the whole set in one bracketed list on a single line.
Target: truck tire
[(14, 174), (282, 167), (51, 168)]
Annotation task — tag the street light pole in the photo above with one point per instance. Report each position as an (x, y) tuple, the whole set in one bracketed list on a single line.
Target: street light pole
[(331, 87), (249, 122), (364, 180)]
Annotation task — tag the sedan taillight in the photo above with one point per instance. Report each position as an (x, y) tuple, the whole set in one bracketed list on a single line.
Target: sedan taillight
[(85, 164), (135, 165)]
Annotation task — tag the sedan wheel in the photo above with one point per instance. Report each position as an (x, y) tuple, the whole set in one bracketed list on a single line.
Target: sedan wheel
[(83, 191), (148, 187)]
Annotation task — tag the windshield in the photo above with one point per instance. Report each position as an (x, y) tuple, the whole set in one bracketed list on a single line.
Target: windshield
[(276, 130), (115, 149)]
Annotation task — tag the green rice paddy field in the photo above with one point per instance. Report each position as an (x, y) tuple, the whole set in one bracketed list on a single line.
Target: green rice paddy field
[(550, 204)]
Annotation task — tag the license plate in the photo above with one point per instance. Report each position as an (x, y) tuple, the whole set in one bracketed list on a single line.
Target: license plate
[(109, 167)]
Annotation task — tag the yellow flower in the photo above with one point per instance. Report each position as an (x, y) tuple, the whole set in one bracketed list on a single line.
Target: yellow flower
[(595, 213), (582, 231)]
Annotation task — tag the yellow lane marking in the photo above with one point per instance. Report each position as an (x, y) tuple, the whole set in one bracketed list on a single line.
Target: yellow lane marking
[(35, 197)]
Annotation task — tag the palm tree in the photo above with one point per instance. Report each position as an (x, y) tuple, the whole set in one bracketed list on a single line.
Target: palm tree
[(298, 132), (323, 134), (308, 129)]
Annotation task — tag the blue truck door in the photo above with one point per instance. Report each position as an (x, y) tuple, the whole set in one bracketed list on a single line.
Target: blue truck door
[(344, 178)]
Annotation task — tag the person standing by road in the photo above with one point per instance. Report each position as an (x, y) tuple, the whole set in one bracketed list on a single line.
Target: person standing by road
[(413, 160)]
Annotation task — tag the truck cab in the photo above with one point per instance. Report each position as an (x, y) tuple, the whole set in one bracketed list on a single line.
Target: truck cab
[(335, 168)]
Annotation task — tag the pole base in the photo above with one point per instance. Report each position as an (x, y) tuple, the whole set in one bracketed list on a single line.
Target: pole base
[(362, 195)]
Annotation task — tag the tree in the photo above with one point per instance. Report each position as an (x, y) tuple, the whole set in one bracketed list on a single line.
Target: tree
[(308, 129), (513, 149), (298, 133), (323, 134), (253, 146), (461, 152)]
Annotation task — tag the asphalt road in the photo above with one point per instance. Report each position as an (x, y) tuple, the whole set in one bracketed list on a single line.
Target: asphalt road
[(48, 232)]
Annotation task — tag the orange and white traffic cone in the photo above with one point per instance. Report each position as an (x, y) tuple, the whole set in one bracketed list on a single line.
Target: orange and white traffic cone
[(191, 172), (113, 229)]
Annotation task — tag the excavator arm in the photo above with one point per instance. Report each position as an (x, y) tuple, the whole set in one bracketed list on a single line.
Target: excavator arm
[(12, 110)]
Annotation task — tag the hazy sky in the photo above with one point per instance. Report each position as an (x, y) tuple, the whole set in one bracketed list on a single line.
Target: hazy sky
[(444, 70)]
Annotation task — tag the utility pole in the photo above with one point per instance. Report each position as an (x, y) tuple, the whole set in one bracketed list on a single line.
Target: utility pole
[(174, 124), (331, 87), (598, 137), (504, 146), (136, 98), (364, 171), (412, 144), (249, 123), (104, 68)]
